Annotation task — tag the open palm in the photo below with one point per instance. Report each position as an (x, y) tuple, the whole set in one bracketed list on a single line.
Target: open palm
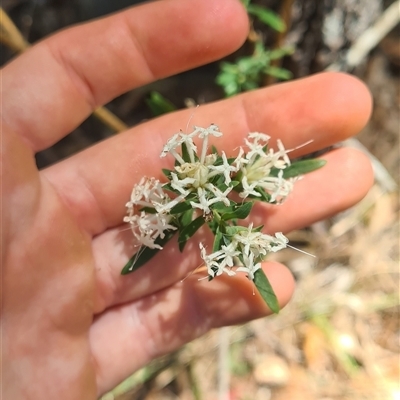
[(73, 327)]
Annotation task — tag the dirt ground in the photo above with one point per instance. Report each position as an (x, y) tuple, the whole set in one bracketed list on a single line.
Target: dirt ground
[(339, 337)]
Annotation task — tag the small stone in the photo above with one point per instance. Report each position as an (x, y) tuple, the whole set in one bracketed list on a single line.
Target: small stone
[(272, 371)]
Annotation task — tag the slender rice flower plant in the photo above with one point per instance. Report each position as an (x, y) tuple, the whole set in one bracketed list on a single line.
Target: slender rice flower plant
[(198, 191)]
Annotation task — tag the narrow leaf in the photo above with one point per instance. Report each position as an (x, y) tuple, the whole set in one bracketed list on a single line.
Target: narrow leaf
[(268, 17), (222, 208), (280, 73), (186, 217), (233, 230), (167, 172), (185, 153), (167, 186), (300, 168), (188, 231), (181, 245), (149, 210), (145, 254), (265, 289), (158, 104), (214, 150), (180, 207), (240, 212), (266, 197), (217, 240), (281, 52)]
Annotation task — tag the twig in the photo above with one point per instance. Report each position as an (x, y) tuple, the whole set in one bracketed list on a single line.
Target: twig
[(286, 15), (10, 35), (357, 52), (12, 38), (370, 38), (109, 119)]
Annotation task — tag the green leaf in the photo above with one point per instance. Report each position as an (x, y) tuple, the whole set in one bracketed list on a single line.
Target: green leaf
[(214, 150), (189, 230), (221, 208), (265, 289), (149, 210), (167, 172), (185, 153), (300, 168), (186, 217), (258, 228), (277, 72), (167, 186), (266, 197), (233, 230), (145, 254), (240, 212), (158, 104), (280, 52), (180, 207), (217, 240), (268, 17)]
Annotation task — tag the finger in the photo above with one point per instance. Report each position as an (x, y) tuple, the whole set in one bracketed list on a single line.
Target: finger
[(344, 180), (54, 86), (164, 321), (97, 194)]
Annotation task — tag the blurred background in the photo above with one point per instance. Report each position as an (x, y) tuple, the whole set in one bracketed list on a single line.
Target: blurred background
[(339, 337)]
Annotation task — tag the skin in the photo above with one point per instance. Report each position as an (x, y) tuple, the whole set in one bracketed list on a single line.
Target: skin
[(72, 326)]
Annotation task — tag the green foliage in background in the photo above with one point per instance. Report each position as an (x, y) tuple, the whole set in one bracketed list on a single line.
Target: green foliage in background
[(248, 73), (159, 104)]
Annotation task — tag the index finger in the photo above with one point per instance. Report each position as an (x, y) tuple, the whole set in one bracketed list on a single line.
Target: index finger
[(55, 85)]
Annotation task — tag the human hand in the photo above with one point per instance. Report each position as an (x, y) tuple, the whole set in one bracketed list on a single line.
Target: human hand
[(73, 327)]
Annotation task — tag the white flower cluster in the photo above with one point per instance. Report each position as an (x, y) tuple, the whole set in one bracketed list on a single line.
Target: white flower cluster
[(148, 226), (202, 180), (251, 169), (257, 166), (247, 248), (195, 174)]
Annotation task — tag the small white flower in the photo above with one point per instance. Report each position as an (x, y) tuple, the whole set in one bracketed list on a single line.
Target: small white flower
[(204, 203), (240, 160), (171, 146), (278, 187), (181, 184), (258, 243), (165, 207), (204, 133), (219, 261), (209, 259), (229, 253), (256, 148), (248, 190), (147, 227), (218, 195), (280, 242), (249, 267), (212, 130), (256, 173), (225, 168), (258, 136), (283, 153), (187, 139)]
